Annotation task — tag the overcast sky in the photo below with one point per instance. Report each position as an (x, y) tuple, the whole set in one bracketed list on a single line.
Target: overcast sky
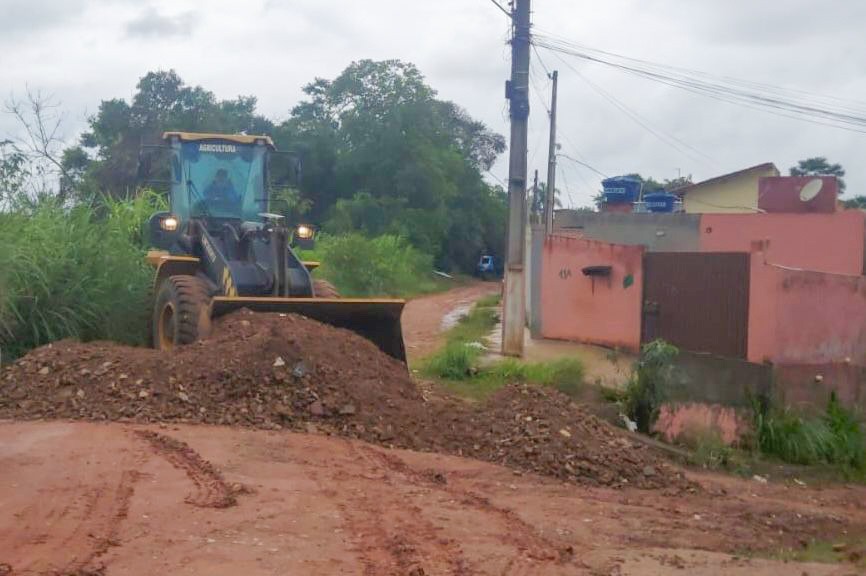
[(84, 51)]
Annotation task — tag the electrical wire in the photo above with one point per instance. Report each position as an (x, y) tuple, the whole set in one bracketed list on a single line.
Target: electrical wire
[(584, 164), (668, 139), (774, 88), (498, 179), (800, 105), (501, 7), (541, 60)]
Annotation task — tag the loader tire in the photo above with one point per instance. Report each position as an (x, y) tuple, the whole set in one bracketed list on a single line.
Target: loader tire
[(324, 289), (181, 313)]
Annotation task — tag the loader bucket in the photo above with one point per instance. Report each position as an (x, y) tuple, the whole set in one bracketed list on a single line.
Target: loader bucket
[(375, 320)]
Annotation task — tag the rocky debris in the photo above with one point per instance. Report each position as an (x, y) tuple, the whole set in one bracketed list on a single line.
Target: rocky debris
[(327, 380)]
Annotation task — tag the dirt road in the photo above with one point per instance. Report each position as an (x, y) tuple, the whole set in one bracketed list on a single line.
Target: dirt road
[(79, 498), (85, 499), (423, 317)]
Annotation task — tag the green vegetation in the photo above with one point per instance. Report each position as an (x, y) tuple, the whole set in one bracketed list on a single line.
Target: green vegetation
[(835, 437), (382, 155), (457, 361), (458, 365), (646, 390), (381, 266), (74, 273), (564, 374), (849, 550), (392, 174), (709, 451), (819, 166)]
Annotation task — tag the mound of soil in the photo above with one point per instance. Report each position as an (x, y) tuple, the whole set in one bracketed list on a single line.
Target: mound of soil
[(285, 371)]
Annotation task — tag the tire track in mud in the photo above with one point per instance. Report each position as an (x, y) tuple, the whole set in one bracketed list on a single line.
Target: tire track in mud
[(211, 490), (395, 535), (532, 546), (100, 512), (121, 499)]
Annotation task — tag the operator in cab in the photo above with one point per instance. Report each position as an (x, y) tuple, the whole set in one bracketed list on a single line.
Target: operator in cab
[(221, 190)]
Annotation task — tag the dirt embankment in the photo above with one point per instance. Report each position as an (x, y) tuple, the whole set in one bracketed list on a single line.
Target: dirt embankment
[(283, 371)]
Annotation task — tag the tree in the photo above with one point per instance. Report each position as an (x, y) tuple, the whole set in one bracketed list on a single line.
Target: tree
[(14, 174), (537, 201), (855, 202), (162, 102), (819, 166), (383, 155), (41, 145)]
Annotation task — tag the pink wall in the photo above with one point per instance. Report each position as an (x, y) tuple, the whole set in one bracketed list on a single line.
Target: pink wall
[(800, 317), (608, 314), (823, 242)]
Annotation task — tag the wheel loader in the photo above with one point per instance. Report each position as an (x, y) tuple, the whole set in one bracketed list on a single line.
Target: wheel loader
[(221, 247)]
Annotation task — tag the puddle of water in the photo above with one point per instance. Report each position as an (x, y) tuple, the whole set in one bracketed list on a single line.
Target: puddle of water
[(451, 319)]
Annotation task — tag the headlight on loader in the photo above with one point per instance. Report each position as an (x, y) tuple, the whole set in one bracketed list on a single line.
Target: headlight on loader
[(169, 224), (304, 232)]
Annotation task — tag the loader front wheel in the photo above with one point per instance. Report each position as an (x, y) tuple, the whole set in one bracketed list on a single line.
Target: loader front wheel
[(324, 289), (181, 313)]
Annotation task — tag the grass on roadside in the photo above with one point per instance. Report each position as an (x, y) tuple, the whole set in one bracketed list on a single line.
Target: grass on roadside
[(459, 367), (834, 438), (849, 550)]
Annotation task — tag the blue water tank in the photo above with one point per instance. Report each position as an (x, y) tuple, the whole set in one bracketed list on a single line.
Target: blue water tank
[(621, 190), (659, 201)]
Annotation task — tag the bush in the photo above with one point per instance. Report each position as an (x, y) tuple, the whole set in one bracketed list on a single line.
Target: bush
[(646, 391), (74, 273), (836, 437), (383, 266)]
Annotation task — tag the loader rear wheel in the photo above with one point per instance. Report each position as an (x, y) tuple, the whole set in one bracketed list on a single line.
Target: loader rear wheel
[(181, 314), (324, 289)]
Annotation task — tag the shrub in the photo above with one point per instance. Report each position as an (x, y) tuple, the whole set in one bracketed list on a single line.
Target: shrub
[(646, 390), (382, 266), (74, 273), (835, 437)]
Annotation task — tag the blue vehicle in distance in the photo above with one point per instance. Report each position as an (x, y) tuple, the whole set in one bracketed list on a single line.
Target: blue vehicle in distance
[(486, 267)]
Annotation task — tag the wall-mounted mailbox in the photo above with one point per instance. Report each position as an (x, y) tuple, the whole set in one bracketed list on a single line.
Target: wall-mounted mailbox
[(594, 271)]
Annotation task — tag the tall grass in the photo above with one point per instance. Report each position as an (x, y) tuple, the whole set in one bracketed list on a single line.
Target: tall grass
[(835, 437), (74, 273)]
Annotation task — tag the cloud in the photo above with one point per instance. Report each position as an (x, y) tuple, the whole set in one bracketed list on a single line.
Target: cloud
[(151, 24), (26, 17)]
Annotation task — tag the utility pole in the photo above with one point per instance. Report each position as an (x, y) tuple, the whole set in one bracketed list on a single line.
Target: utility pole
[(550, 200), (517, 91), (534, 202)]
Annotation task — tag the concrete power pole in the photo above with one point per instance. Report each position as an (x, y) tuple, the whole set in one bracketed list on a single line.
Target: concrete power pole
[(550, 199), (533, 216), (513, 306)]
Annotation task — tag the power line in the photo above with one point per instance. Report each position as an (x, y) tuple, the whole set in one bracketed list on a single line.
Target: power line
[(541, 60), (849, 104), (668, 139), (791, 104), (498, 179), (501, 7), (584, 164), (567, 188)]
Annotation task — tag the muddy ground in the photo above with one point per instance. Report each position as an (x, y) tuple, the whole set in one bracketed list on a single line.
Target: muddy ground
[(303, 468), (81, 498)]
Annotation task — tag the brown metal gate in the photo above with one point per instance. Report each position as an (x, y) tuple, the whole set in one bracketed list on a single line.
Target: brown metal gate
[(697, 301)]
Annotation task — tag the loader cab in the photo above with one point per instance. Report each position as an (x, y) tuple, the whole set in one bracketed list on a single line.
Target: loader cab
[(218, 179)]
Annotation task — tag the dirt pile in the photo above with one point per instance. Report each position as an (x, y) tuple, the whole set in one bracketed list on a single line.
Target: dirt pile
[(284, 371)]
